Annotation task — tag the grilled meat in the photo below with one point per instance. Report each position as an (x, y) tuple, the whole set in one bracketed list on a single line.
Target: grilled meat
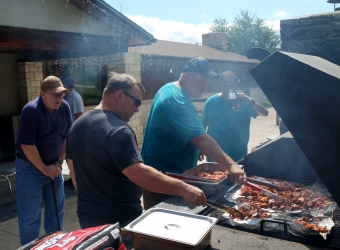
[(252, 202), (214, 175), (306, 222)]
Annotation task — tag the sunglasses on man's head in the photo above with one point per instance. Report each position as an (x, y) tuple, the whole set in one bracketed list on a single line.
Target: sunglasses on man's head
[(135, 100)]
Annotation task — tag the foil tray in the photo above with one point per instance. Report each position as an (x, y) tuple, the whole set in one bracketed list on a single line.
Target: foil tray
[(159, 228), (276, 225), (209, 189), (281, 222)]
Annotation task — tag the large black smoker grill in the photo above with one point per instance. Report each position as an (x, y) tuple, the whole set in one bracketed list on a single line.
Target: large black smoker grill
[(305, 92)]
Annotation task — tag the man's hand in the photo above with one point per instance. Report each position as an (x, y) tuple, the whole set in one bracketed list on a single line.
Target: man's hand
[(200, 156), (237, 175), (194, 196), (244, 98), (52, 171)]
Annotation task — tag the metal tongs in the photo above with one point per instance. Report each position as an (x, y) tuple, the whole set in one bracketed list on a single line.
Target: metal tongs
[(268, 184), (265, 192), (225, 209), (255, 187), (191, 178)]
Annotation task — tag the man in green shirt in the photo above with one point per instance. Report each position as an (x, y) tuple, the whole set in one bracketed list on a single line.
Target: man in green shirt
[(229, 125), (174, 134)]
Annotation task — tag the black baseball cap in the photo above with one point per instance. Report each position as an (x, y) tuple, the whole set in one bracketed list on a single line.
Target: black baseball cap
[(200, 65)]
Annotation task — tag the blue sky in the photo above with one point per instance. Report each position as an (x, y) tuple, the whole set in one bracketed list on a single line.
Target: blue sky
[(186, 20)]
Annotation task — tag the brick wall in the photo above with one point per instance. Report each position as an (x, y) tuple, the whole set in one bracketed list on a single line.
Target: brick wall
[(127, 63), (30, 75), (216, 40)]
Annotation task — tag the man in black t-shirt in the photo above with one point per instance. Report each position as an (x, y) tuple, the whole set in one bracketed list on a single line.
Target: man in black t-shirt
[(106, 167)]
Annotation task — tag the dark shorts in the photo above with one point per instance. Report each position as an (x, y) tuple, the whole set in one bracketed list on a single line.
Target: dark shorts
[(92, 223)]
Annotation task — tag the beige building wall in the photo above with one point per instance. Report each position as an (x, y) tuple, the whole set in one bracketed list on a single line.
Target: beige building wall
[(30, 75), (127, 63)]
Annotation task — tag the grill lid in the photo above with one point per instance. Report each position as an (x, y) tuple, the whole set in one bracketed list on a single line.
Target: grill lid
[(304, 90)]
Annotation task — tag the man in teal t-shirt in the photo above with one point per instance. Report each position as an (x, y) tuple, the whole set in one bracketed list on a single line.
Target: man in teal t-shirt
[(173, 123), (229, 125), (174, 134)]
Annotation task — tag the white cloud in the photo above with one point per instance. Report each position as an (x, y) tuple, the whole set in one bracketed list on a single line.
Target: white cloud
[(275, 25), (281, 14), (180, 31), (171, 30)]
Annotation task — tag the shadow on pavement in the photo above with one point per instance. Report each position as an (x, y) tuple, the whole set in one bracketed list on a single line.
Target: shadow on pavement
[(9, 210)]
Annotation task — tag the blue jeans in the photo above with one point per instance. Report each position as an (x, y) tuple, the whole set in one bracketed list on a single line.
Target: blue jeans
[(32, 188)]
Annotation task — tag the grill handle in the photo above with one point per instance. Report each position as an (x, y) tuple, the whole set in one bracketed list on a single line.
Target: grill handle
[(284, 223)]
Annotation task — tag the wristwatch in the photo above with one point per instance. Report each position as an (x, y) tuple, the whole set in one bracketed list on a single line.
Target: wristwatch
[(60, 161)]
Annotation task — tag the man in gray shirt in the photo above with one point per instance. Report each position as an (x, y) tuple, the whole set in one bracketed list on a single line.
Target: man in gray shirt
[(73, 99), (76, 104)]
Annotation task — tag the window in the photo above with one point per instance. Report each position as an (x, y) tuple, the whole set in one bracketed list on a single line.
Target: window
[(89, 81), (89, 84)]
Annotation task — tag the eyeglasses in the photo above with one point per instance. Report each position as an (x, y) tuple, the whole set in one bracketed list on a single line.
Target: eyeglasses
[(56, 95), (135, 100)]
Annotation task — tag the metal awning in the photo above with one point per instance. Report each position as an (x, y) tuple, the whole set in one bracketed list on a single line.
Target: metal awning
[(39, 44)]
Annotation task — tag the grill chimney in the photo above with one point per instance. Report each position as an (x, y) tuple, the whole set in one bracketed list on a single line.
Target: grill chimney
[(334, 2), (216, 40)]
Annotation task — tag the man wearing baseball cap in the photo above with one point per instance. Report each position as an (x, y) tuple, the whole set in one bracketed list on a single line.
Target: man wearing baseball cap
[(174, 134), (40, 148)]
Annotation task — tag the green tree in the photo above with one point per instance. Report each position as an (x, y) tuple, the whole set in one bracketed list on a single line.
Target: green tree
[(220, 25), (247, 31)]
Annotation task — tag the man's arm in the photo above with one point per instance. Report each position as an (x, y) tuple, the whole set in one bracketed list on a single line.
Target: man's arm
[(154, 181), (260, 109), (62, 154), (72, 173), (32, 154), (209, 147), (78, 115), (78, 106), (63, 150)]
